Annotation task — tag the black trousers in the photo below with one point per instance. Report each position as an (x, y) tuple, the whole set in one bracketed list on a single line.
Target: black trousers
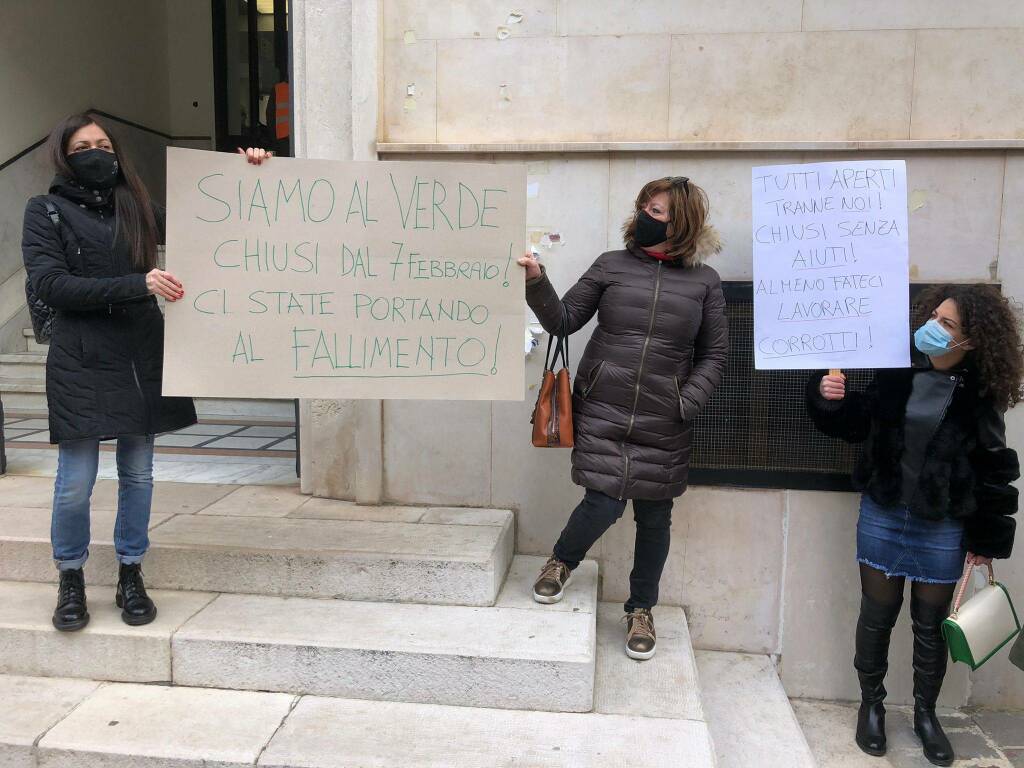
[(596, 514)]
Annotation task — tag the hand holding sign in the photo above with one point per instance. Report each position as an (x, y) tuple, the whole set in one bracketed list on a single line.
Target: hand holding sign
[(833, 386), (344, 280)]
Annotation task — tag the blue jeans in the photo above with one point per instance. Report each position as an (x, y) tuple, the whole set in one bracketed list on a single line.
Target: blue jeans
[(77, 464)]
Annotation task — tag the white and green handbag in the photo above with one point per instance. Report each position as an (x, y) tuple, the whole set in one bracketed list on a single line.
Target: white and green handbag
[(980, 626)]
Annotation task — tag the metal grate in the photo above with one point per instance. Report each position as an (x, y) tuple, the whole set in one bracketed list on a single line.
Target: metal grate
[(755, 430)]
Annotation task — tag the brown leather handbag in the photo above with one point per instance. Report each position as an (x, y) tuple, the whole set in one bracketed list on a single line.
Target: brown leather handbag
[(552, 415)]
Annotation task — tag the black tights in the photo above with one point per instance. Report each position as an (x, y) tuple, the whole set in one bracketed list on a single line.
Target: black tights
[(885, 591)]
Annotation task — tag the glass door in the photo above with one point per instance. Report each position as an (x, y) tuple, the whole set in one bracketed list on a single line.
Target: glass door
[(252, 74)]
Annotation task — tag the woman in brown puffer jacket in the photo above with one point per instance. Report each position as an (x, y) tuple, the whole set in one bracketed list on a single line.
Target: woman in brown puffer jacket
[(657, 354)]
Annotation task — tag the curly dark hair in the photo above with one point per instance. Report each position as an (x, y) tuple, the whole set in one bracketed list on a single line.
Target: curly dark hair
[(994, 326)]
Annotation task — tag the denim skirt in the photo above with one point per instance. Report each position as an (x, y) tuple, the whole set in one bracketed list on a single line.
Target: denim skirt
[(890, 540)]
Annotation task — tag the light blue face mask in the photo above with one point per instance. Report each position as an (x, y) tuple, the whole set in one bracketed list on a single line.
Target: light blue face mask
[(933, 340)]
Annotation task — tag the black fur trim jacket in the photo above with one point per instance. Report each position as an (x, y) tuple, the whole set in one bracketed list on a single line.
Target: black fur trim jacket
[(967, 468)]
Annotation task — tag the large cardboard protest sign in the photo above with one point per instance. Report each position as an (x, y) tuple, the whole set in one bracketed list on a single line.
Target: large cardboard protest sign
[(831, 268), (312, 278)]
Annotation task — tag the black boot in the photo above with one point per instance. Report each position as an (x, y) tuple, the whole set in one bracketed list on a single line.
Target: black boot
[(71, 612), (136, 607), (929, 669), (874, 628)]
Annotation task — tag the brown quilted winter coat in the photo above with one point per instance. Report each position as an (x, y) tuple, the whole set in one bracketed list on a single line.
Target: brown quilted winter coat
[(657, 354)]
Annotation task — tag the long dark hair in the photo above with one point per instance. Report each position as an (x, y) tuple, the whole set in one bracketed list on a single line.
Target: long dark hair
[(993, 324), (135, 220)]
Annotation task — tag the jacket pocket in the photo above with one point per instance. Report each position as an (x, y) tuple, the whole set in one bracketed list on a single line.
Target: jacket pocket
[(595, 374), (679, 398)]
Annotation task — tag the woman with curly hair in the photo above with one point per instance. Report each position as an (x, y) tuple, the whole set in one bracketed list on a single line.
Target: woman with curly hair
[(935, 474)]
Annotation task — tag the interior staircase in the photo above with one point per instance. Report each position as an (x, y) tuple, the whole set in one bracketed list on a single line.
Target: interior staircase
[(321, 633), (23, 390)]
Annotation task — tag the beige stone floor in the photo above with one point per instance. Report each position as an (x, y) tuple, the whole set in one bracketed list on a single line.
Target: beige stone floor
[(981, 738), (177, 467)]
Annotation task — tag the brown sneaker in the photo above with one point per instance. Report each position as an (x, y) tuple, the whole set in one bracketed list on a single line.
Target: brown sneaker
[(551, 583), (641, 642)]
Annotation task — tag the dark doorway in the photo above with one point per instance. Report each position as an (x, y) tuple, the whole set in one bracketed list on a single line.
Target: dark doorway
[(251, 59)]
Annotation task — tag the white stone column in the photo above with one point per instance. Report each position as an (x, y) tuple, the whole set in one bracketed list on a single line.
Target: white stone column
[(335, 75)]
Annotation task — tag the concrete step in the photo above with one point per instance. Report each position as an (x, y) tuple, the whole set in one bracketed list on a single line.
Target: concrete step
[(28, 366), (529, 656), (264, 410), (338, 733), (666, 686), (442, 556), (20, 395), (515, 655), (32, 345), (107, 649), (12, 385), (751, 719), (57, 722), (31, 366)]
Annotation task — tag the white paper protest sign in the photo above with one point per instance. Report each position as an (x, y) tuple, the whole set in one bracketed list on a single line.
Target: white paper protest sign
[(338, 280), (831, 265)]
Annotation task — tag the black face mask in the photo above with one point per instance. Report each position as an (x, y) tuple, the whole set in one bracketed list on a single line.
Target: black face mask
[(649, 231), (95, 168)]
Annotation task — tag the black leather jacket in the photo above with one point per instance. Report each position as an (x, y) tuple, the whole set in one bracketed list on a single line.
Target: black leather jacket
[(964, 468)]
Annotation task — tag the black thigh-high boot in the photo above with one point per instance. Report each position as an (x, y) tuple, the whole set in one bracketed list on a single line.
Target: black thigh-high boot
[(929, 670), (874, 628)]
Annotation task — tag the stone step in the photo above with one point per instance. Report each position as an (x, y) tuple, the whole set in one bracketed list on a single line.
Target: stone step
[(263, 410), (21, 401), (531, 656), (32, 344), (58, 722), (515, 655), (31, 366), (441, 556), (28, 366), (9, 384), (20, 395), (666, 686), (339, 733), (107, 649), (751, 719)]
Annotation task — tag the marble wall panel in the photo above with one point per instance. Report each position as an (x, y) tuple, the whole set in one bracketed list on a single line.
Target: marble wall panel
[(967, 84), (410, 91), (615, 17), (911, 14), (791, 86), (566, 89), (431, 20)]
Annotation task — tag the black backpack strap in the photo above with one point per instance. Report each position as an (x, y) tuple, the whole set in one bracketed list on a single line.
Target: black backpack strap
[(52, 212), (64, 231)]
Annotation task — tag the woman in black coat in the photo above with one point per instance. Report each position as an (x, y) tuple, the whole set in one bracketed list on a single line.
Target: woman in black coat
[(657, 354), (935, 474), (90, 250)]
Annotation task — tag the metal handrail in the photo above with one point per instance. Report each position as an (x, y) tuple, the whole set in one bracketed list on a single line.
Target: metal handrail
[(100, 113)]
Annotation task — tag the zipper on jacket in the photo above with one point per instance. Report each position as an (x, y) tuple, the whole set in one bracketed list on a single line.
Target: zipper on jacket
[(639, 376), (593, 379), (625, 476), (643, 354), (945, 407)]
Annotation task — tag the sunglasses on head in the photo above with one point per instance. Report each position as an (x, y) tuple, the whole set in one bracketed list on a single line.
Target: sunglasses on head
[(679, 181)]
